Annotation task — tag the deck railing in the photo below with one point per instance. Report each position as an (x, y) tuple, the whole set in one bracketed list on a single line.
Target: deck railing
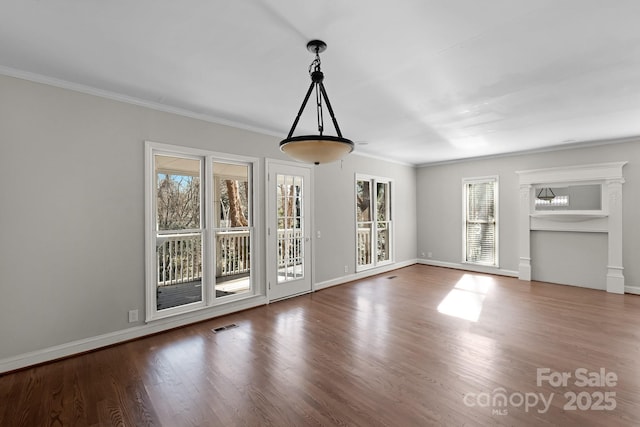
[(290, 247), (233, 253), (179, 256), (364, 245)]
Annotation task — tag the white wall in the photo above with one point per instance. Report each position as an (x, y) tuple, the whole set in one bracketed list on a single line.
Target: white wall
[(336, 220), (440, 201), (581, 256), (72, 213)]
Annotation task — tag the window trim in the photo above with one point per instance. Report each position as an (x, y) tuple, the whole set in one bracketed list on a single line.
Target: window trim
[(374, 180), (496, 248), (207, 227)]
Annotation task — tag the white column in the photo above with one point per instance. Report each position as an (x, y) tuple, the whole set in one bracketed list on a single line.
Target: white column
[(615, 277), (524, 267)]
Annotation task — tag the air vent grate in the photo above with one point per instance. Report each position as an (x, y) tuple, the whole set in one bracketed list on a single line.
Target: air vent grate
[(224, 328), (392, 277)]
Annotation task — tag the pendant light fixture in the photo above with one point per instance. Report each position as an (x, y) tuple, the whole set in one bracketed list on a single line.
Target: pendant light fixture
[(319, 148), (546, 194)]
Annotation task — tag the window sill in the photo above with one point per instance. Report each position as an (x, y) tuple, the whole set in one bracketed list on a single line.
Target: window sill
[(480, 264)]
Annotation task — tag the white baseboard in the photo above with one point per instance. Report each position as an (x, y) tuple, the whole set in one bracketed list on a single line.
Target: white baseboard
[(362, 274), (93, 343), (500, 272), (469, 267), (632, 290)]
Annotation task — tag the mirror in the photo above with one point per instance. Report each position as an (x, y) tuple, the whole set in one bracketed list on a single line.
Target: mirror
[(573, 198)]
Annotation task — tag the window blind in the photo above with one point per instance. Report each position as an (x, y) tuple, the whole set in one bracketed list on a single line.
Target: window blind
[(480, 226)]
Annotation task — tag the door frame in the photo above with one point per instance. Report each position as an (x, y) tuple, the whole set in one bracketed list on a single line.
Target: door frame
[(270, 257)]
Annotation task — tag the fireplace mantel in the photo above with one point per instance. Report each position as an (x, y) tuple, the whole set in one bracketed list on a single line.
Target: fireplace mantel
[(607, 219)]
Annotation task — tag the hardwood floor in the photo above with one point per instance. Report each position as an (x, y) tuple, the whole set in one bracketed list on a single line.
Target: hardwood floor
[(377, 352)]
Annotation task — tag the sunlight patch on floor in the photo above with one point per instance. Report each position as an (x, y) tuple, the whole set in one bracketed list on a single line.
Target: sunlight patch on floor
[(234, 286), (466, 298)]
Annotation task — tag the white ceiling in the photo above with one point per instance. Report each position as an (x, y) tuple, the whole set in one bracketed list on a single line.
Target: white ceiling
[(417, 81)]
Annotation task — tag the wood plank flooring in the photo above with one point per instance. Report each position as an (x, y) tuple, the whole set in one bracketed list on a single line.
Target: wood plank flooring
[(376, 352)]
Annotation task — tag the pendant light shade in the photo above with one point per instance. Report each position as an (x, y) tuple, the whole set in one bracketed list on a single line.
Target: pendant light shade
[(546, 194), (316, 148)]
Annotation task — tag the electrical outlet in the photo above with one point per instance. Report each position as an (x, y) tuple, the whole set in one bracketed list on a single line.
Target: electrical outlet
[(422, 254), (429, 254), (346, 268), (133, 316)]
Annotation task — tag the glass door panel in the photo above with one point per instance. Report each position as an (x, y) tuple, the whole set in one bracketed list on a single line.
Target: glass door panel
[(290, 230)]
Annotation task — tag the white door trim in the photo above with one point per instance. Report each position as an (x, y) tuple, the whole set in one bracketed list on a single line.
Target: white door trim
[(270, 257)]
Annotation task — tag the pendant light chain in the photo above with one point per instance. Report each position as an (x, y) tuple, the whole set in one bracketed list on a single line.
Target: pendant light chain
[(317, 148), (319, 110), (315, 66)]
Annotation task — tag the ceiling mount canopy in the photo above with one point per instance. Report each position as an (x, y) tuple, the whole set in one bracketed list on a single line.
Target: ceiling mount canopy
[(316, 148)]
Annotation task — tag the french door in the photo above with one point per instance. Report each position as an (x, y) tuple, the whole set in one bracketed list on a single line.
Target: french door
[(288, 230)]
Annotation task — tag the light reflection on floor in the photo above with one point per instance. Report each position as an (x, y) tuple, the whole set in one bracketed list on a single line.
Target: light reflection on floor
[(372, 321), (466, 298)]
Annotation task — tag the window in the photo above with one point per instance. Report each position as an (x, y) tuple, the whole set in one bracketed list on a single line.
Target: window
[(232, 226), (558, 201), (480, 221), (179, 232), (200, 230), (374, 226)]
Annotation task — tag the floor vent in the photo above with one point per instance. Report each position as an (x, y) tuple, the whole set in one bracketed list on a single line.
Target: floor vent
[(392, 277), (224, 328)]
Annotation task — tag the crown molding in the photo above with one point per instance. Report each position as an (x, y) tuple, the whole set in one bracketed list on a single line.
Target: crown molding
[(115, 96), (572, 146)]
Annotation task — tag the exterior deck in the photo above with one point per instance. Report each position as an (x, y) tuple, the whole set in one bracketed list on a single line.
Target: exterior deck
[(188, 292)]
